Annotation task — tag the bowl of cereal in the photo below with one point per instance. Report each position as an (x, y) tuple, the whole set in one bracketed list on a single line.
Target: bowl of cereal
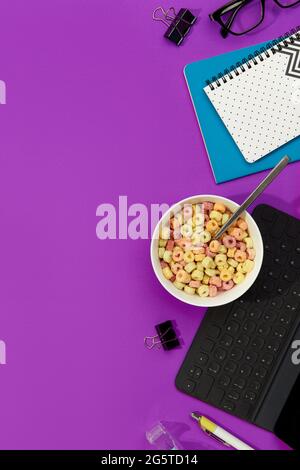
[(194, 267)]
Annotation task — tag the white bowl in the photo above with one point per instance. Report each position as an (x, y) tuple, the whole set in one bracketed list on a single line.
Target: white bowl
[(221, 298)]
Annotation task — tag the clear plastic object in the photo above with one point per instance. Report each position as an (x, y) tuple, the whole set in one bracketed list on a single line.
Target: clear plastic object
[(160, 438)]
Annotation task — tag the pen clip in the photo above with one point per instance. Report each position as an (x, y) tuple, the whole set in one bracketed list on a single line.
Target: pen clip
[(216, 438)]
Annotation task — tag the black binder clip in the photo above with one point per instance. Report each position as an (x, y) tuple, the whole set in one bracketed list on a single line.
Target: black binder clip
[(178, 24), (166, 337)]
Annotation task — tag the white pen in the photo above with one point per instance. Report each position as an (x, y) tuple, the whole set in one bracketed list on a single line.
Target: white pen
[(219, 433)]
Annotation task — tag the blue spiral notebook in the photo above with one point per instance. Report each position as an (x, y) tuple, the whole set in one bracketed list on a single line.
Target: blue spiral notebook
[(227, 161)]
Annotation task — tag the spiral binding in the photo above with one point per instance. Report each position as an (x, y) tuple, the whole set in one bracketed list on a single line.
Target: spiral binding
[(262, 54)]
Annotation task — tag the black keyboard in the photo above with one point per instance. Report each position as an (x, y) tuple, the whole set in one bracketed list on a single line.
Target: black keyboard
[(238, 348)]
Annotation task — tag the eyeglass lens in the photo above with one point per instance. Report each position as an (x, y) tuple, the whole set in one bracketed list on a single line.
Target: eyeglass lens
[(245, 16)]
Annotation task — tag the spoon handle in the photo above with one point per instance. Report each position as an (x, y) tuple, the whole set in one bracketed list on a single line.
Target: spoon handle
[(260, 188)]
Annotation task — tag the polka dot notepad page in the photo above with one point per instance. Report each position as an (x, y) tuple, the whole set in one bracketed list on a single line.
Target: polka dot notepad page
[(261, 106)]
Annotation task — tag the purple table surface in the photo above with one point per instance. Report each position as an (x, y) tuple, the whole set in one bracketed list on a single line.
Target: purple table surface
[(97, 107)]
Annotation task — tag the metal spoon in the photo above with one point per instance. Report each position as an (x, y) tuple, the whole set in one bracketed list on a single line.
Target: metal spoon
[(260, 188)]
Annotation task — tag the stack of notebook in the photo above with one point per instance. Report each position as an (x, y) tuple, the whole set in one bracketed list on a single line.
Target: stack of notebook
[(249, 114)]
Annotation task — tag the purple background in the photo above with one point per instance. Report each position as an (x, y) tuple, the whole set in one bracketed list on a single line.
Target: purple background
[(97, 107)]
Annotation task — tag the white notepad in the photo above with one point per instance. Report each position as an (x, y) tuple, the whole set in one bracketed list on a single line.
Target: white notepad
[(259, 101)]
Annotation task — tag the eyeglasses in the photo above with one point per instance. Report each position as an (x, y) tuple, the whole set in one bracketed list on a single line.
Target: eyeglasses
[(239, 17)]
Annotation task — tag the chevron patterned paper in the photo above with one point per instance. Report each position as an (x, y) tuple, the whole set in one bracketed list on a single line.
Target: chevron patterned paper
[(293, 51)]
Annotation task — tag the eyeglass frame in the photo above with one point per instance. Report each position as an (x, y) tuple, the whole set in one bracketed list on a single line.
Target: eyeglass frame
[(217, 15)]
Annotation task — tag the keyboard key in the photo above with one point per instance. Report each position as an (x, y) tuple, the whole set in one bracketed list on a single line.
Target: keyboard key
[(292, 304), (285, 318), (226, 340), (189, 386), (295, 262), (267, 247), (267, 359), (290, 275), (191, 371), (239, 383), (277, 303), (228, 405), (270, 316), (257, 343), (224, 381), (255, 313), (285, 246), (273, 273), (282, 290), (260, 373), (245, 370), (207, 345), (268, 285), (279, 332), (264, 329), (279, 260), (216, 396), (230, 367), (213, 331), (251, 357), (238, 314), (202, 358), (273, 346), (204, 386), (220, 354), (213, 367), (233, 395), (243, 341), (197, 374), (232, 327), (285, 285), (294, 300), (236, 354), (255, 386), (250, 396), (287, 277), (249, 326), (259, 301), (296, 292)]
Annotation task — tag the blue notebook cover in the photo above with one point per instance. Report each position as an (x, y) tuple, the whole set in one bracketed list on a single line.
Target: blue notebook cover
[(226, 160)]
